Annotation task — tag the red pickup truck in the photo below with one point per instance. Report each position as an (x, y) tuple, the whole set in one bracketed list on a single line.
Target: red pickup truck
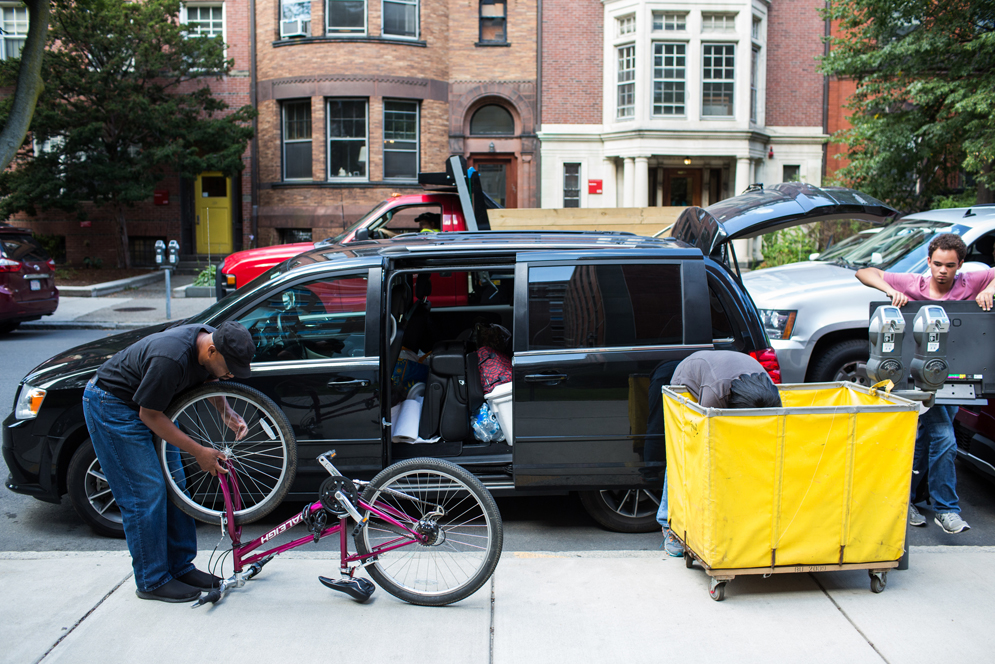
[(391, 217)]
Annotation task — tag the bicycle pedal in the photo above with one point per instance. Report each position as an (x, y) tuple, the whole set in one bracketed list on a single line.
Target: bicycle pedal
[(358, 589)]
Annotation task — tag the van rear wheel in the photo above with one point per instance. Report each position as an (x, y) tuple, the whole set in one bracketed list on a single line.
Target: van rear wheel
[(623, 510)]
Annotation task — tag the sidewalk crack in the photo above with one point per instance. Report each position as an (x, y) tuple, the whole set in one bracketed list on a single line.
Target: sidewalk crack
[(85, 616), (848, 619)]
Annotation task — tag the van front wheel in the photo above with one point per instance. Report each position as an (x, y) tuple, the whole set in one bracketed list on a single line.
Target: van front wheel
[(623, 510), (839, 362)]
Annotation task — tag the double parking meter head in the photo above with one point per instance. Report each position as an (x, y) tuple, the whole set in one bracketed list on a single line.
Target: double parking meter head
[(886, 333), (929, 366), (167, 256), (174, 252), (160, 252)]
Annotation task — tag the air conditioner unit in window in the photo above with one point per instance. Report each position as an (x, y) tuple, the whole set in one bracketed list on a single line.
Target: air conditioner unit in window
[(296, 28)]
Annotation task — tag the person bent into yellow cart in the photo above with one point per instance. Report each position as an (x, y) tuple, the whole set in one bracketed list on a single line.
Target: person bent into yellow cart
[(716, 379)]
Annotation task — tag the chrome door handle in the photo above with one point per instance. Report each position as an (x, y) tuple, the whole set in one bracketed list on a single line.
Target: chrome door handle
[(545, 378)]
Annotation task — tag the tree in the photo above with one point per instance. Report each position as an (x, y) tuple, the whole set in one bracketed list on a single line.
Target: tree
[(923, 110), (29, 84), (126, 102)]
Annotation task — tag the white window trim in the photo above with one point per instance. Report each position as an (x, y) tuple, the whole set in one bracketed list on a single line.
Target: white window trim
[(329, 139), (284, 141), (728, 15), (626, 20), (687, 69), (665, 13), (618, 84), (384, 35), (3, 42), (366, 22), (733, 80), (580, 182), (417, 139), (224, 19)]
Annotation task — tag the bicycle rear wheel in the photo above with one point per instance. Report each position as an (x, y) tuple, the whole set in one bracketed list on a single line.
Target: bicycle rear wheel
[(265, 460), (460, 546)]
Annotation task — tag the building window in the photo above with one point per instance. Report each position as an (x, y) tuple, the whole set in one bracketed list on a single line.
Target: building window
[(346, 17), (297, 140), (718, 23), (755, 30), (669, 76), (754, 76), (494, 21), (204, 20), (400, 144), (718, 73), (400, 18), (626, 24), (571, 185), (626, 82), (293, 235), (347, 138), (492, 120), (295, 18), (791, 174), (669, 22), (15, 31)]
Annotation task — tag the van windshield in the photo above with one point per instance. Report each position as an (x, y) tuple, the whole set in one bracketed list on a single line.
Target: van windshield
[(359, 224), (897, 248)]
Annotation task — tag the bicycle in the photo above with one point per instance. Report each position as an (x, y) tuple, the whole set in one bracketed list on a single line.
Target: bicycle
[(426, 530)]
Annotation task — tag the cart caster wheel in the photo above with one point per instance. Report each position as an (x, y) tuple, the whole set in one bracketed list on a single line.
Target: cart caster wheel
[(717, 590), (688, 560), (878, 581)]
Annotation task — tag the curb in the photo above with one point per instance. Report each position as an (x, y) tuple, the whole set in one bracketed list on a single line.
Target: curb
[(108, 287), (83, 325)]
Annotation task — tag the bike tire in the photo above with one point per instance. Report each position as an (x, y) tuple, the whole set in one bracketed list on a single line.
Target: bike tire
[(468, 538), (265, 460)]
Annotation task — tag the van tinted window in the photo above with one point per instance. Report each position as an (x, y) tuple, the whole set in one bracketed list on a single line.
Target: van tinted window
[(22, 248), (592, 306)]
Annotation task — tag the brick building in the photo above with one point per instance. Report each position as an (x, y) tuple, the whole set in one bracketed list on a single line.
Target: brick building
[(208, 215), (355, 97), (685, 102)]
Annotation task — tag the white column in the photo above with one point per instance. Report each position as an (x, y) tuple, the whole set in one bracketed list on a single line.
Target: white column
[(742, 175), (642, 194), (659, 188), (628, 182), (609, 198)]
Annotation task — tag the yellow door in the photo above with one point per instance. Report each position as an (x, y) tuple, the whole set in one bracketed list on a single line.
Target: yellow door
[(213, 211)]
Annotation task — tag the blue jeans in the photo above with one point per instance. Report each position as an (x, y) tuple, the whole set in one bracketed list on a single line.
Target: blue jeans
[(661, 513), (162, 539), (936, 449)]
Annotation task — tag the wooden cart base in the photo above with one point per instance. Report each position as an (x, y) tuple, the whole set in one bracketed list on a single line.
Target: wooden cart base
[(878, 571)]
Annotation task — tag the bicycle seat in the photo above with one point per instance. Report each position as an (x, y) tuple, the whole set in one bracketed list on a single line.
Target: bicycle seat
[(358, 589)]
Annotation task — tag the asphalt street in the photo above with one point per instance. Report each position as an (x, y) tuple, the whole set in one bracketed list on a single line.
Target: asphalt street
[(547, 523)]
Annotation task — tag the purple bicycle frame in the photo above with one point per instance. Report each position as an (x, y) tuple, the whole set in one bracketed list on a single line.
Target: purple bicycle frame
[(233, 503)]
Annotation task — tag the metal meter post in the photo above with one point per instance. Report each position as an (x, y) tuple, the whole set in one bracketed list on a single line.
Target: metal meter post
[(929, 329), (886, 333)]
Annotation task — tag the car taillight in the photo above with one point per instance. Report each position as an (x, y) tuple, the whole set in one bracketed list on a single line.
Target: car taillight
[(768, 360), (7, 265), (51, 264)]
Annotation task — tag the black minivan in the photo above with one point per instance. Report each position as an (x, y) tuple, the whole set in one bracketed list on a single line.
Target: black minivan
[(591, 315)]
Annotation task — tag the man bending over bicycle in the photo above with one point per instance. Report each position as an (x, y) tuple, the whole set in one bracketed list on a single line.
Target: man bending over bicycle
[(123, 406)]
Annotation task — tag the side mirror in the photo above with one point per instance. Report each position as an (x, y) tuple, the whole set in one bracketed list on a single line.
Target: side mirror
[(362, 234)]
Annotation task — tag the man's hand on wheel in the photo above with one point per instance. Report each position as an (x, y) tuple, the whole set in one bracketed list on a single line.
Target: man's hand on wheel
[(237, 424), (209, 460)]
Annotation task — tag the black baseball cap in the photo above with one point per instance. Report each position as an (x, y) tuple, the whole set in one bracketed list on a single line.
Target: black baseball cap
[(235, 344)]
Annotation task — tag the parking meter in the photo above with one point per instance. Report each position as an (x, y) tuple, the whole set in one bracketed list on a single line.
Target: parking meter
[(174, 252), (886, 333), (160, 252), (929, 330)]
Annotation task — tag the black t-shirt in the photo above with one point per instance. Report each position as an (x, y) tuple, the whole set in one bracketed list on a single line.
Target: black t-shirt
[(150, 372)]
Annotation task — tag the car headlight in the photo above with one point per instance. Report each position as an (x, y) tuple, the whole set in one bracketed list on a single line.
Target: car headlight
[(778, 323), (29, 402)]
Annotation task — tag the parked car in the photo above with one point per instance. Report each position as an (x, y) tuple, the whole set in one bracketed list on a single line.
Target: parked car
[(591, 316), (27, 279)]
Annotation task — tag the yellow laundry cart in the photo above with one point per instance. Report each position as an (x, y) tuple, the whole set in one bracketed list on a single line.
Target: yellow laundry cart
[(820, 484)]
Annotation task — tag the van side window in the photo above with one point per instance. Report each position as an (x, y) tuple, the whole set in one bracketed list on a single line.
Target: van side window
[(725, 334), (315, 320), (593, 306)]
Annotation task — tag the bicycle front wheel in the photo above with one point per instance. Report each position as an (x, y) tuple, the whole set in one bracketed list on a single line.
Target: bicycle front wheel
[(264, 461), (458, 524)]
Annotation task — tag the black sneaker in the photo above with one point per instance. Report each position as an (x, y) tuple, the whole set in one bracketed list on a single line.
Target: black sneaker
[(201, 580), (171, 591)]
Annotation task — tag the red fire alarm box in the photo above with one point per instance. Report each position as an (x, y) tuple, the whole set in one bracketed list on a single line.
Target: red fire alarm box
[(594, 187), (85, 224), (161, 197)]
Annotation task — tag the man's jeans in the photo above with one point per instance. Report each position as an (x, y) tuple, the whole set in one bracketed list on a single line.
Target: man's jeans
[(162, 539), (661, 513), (936, 449)]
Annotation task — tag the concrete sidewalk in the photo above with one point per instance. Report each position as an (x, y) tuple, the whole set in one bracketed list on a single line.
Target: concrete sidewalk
[(608, 606)]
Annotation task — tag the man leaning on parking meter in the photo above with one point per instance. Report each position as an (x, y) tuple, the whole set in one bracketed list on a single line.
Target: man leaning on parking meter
[(936, 446)]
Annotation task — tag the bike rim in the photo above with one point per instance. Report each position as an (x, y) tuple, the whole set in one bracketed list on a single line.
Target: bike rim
[(98, 493), (438, 568), (259, 460)]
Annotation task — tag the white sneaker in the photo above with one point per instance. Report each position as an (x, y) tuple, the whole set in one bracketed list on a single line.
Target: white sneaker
[(915, 518), (951, 522)]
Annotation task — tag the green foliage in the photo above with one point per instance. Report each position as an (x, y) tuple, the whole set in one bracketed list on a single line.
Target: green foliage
[(923, 110), (205, 277), (967, 199), (55, 245), (93, 263), (795, 244), (125, 102)]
